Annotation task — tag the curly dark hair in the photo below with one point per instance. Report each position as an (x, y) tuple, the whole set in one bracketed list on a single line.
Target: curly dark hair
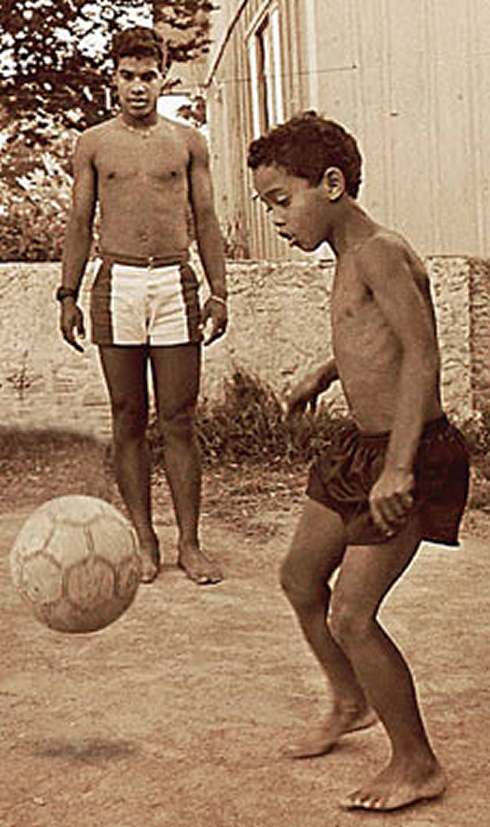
[(306, 146), (139, 41)]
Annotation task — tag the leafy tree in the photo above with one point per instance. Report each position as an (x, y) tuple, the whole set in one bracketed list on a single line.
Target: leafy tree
[(185, 26), (194, 111), (35, 188), (55, 54)]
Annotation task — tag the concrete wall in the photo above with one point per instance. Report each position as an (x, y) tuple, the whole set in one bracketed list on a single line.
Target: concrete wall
[(279, 329)]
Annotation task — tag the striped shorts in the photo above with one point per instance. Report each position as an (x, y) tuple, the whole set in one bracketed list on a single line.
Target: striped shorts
[(144, 303)]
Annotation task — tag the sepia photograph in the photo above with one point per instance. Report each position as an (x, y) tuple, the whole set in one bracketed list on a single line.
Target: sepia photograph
[(244, 413)]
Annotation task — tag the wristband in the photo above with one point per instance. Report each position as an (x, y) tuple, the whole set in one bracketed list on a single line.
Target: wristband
[(63, 293), (218, 299)]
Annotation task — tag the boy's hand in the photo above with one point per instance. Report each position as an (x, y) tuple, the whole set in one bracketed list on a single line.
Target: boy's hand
[(306, 393), (217, 314), (72, 320), (391, 499)]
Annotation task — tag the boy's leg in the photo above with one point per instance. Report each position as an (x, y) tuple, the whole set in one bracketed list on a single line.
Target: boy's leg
[(176, 375), (366, 575), (317, 550), (125, 372)]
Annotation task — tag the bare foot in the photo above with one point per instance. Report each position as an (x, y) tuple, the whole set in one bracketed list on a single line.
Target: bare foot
[(398, 786), (150, 562), (342, 721), (198, 567)]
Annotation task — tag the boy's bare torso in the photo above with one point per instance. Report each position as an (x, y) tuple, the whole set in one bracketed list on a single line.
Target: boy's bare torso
[(142, 189), (367, 352)]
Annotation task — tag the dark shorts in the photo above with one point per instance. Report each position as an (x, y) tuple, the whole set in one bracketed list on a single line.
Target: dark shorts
[(344, 474)]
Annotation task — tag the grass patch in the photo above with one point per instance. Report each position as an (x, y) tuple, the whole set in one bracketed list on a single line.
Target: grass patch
[(249, 425)]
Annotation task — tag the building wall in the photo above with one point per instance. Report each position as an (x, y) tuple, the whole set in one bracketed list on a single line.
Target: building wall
[(229, 105), (279, 329), (410, 80)]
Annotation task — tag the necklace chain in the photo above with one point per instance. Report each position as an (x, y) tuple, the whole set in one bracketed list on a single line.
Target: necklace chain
[(143, 132)]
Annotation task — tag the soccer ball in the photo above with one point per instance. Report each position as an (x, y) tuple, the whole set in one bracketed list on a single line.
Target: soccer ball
[(75, 563)]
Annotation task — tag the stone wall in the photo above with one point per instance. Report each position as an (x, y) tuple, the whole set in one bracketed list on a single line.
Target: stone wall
[(480, 333), (279, 329)]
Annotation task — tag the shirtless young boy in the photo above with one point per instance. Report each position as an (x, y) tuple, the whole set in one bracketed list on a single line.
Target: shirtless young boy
[(146, 172), (396, 477)]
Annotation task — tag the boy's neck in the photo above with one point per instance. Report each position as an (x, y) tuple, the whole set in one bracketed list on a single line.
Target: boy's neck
[(145, 122), (351, 227)]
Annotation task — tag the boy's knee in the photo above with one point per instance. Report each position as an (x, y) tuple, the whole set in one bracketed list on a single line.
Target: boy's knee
[(304, 593), (347, 625), (178, 425), (129, 420)]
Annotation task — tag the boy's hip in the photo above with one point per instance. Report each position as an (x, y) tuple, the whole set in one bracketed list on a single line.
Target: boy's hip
[(343, 476)]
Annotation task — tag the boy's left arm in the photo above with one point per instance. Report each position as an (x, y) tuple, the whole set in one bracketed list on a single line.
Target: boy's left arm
[(389, 275), (208, 237)]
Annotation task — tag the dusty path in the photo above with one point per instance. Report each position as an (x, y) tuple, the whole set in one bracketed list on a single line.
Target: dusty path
[(177, 714)]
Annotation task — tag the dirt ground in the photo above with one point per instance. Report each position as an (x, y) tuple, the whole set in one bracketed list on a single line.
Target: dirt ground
[(177, 714)]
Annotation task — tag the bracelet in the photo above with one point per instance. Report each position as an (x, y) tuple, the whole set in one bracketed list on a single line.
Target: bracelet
[(63, 293), (218, 299)]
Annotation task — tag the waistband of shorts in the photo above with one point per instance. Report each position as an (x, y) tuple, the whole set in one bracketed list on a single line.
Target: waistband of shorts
[(434, 426), (149, 261)]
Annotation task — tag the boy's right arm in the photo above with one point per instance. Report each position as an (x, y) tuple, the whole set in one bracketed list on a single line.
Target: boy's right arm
[(309, 389), (78, 241)]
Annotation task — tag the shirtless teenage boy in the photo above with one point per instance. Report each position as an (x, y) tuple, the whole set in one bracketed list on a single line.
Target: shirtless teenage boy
[(145, 172), (397, 476)]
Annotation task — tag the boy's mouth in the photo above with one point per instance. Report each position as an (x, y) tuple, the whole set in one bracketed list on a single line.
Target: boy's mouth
[(289, 238), (138, 102)]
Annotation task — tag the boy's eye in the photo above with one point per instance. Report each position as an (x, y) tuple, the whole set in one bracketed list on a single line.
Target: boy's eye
[(283, 201)]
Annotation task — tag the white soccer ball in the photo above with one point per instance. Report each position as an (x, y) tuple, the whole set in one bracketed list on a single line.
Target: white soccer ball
[(75, 562)]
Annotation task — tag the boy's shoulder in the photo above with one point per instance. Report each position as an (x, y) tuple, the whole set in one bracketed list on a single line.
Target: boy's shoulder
[(185, 131), (384, 250), (93, 135), (386, 242)]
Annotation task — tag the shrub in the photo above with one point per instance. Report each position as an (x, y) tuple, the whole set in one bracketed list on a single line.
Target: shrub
[(35, 192), (250, 425)]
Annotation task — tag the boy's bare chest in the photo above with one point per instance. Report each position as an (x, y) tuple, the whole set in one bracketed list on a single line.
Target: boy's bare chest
[(358, 326), (137, 161), (350, 299)]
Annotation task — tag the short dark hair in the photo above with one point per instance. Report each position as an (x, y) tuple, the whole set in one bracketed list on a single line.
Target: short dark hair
[(139, 41), (306, 146)]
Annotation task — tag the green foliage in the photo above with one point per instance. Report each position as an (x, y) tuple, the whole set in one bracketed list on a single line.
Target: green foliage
[(250, 425)]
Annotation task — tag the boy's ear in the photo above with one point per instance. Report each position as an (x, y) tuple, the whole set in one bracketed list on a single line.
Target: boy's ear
[(334, 183)]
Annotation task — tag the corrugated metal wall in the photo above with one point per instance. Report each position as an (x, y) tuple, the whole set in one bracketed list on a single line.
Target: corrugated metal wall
[(410, 79)]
